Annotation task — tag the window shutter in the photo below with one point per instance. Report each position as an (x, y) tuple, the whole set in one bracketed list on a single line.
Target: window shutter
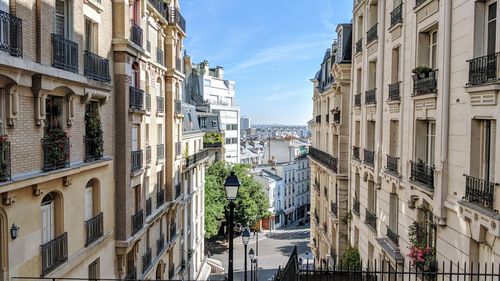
[(479, 25), (493, 149), (60, 17), (88, 203)]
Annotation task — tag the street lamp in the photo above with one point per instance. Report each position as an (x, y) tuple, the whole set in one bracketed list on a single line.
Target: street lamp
[(245, 236), (251, 254), (231, 185)]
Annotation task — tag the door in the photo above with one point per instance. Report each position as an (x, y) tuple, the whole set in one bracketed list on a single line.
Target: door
[(134, 138), (47, 222), (88, 203)]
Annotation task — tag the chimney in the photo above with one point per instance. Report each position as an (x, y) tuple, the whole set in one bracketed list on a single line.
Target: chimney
[(188, 66), (219, 70)]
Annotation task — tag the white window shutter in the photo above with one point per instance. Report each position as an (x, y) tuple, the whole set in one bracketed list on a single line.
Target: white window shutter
[(88, 203)]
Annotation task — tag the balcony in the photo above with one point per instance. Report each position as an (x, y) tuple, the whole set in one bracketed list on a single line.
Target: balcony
[(324, 158), (336, 116), (422, 173), (136, 160), (160, 104), (425, 84), (161, 8), (96, 67), (136, 98), (178, 148), (483, 70), (54, 253), (355, 206), (397, 15), (160, 198), (5, 165), (178, 190), (136, 34), (394, 92), (371, 220), (93, 149), (357, 100), (55, 153), (146, 260), (177, 18), (94, 229), (393, 236), (392, 164), (148, 102), (419, 2), (149, 206), (368, 157), (355, 153), (160, 244), (359, 46), (178, 107), (480, 192), (64, 53), (137, 221), (148, 155), (11, 39), (372, 34), (318, 119), (334, 208), (178, 64), (160, 152), (197, 157), (212, 145), (370, 96)]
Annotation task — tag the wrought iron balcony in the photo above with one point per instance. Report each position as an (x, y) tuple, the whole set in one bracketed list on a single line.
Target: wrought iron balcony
[(483, 69), (148, 102), (425, 84), (55, 154), (149, 206), (318, 119), (146, 260), (136, 98), (94, 229), (393, 236), (178, 64), (93, 149), (173, 231), (177, 148), (355, 153), (357, 100), (324, 158), (54, 253), (11, 38), (394, 91), (161, 8), (197, 157), (159, 56), (160, 198), (336, 116), (177, 18), (64, 53), (423, 173), (136, 34), (355, 206), (212, 145), (334, 208), (371, 220), (368, 157), (160, 244), (372, 34), (160, 104), (5, 165), (370, 96), (178, 107), (392, 164), (178, 190), (480, 192), (160, 151), (137, 221), (136, 160), (397, 15), (96, 67), (148, 154), (359, 46), (419, 2)]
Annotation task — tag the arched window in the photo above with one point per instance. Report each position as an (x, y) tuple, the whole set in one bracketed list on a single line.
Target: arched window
[(160, 270)]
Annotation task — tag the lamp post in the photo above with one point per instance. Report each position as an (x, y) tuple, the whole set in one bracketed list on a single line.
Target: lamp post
[(231, 185), (251, 254), (245, 236)]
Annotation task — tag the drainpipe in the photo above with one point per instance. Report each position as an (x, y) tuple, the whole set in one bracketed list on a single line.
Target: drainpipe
[(402, 84), (380, 88)]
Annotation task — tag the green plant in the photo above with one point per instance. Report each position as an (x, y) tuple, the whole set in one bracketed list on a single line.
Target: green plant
[(93, 133), (56, 147), (351, 260), (421, 254), (347, 218), (422, 70), (212, 138)]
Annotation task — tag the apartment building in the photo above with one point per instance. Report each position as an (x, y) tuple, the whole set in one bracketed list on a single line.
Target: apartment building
[(150, 209), (423, 130), (56, 144), (272, 185), (330, 151)]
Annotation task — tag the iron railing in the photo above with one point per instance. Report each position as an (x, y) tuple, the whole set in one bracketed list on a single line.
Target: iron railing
[(160, 151), (355, 206), (146, 260), (178, 64), (483, 69), (161, 8), (94, 229), (372, 34), (392, 163), (160, 244), (397, 15), (177, 18), (371, 220), (334, 208), (324, 158), (131, 274), (178, 106), (355, 153), (318, 119), (159, 56), (93, 149), (149, 206), (357, 100), (11, 37), (370, 96), (136, 34), (136, 160), (178, 190), (359, 46), (419, 2), (197, 157), (5, 165), (96, 67), (136, 98), (422, 173), (64, 53), (148, 154), (336, 116), (160, 104), (394, 91), (160, 198), (425, 85), (212, 145), (137, 221), (54, 253), (480, 191), (56, 154), (148, 101), (368, 157), (393, 236)]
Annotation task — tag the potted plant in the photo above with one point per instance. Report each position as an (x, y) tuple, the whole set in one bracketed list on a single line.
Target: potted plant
[(56, 142), (422, 255), (93, 134), (421, 71)]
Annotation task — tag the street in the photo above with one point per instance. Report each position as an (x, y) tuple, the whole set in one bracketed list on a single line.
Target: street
[(274, 250)]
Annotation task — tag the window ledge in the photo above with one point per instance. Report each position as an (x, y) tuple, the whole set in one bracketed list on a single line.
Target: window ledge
[(370, 105), (494, 86), (94, 5), (424, 96), (422, 188), (479, 216), (421, 6), (393, 101), (372, 43), (394, 27)]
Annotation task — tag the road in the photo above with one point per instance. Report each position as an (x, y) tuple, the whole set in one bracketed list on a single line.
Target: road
[(274, 250)]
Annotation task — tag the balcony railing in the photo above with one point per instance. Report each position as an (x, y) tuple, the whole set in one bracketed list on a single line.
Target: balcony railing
[(161, 7), (11, 37), (136, 98), (177, 18), (94, 229), (160, 151), (318, 119), (96, 67), (148, 102), (359, 46), (177, 148), (324, 158), (137, 221), (393, 236), (371, 220), (146, 260), (55, 154), (370, 96), (355, 206), (334, 208), (419, 2), (178, 106), (397, 15), (336, 116), (394, 92), (372, 34), (178, 190), (425, 84), (392, 164), (159, 56), (149, 206), (483, 69), (160, 104), (131, 274), (197, 157), (160, 198), (64, 53), (54, 253), (212, 145), (5, 166), (160, 244), (357, 100), (355, 153), (148, 154), (136, 34), (178, 64), (480, 192), (136, 160), (173, 231), (93, 149), (368, 157), (422, 173)]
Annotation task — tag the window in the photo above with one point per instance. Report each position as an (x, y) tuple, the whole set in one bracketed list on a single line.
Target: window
[(433, 48), (491, 28), (54, 111), (394, 138), (393, 212), (90, 38), (92, 202), (159, 133), (62, 18), (137, 198), (395, 65), (486, 130), (203, 124), (425, 141), (94, 270), (135, 138), (372, 197), (214, 123), (159, 88)]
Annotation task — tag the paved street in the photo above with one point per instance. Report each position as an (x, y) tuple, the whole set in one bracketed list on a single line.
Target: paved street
[(274, 250)]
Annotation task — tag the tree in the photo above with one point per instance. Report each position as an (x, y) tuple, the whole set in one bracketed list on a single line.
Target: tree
[(215, 202)]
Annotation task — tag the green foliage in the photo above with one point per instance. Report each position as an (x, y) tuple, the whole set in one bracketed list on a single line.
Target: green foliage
[(55, 142), (215, 202), (422, 71), (351, 259), (212, 138), (93, 132)]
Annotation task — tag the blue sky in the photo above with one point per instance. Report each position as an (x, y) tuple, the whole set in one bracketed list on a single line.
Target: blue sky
[(271, 48)]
